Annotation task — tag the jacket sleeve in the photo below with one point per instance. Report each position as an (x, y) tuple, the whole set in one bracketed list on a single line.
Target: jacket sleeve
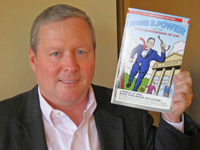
[(168, 138), (160, 58), (135, 50)]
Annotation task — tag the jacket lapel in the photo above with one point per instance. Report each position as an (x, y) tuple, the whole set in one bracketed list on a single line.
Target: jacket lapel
[(109, 127), (110, 130), (31, 136), (149, 52)]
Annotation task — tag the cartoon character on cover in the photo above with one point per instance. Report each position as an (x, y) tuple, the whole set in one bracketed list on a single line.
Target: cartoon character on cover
[(151, 88), (144, 57), (167, 90)]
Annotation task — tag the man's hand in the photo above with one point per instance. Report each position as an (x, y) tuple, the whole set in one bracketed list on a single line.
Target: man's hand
[(131, 60), (162, 45), (182, 96)]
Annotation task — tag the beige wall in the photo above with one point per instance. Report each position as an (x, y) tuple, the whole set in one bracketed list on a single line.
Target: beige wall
[(16, 17)]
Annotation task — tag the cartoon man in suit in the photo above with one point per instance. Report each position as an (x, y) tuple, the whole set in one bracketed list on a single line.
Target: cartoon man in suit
[(145, 56)]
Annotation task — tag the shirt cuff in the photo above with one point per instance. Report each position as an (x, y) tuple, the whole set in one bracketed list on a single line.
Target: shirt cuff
[(179, 126)]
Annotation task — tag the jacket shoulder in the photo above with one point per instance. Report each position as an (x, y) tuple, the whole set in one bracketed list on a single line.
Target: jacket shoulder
[(10, 106), (103, 91)]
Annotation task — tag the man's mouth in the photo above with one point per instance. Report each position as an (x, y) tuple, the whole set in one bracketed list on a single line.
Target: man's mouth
[(68, 81)]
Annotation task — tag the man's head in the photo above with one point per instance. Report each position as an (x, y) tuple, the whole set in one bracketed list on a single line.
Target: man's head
[(53, 14), (168, 84), (150, 43), (152, 83), (65, 61)]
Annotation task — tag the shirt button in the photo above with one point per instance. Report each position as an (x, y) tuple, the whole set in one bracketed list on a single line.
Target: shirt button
[(57, 113), (76, 136)]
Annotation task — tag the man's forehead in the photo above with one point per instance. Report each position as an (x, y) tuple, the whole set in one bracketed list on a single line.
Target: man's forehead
[(152, 40)]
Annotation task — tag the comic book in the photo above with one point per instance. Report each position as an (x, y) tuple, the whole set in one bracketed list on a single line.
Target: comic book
[(150, 57)]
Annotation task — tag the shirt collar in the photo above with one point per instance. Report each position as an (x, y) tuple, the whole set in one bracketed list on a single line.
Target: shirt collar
[(47, 109)]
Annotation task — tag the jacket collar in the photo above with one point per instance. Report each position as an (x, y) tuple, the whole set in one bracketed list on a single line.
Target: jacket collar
[(31, 135)]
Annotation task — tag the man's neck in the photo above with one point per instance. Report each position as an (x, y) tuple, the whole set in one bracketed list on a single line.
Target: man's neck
[(73, 110), (148, 48), (75, 113)]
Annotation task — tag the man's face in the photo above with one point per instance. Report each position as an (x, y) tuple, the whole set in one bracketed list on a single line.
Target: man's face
[(150, 43), (65, 61)]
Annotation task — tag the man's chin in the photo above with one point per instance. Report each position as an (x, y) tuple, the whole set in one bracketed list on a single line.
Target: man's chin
[(71, 97)]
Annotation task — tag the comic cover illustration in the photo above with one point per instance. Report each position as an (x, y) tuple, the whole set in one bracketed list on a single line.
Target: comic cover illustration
[(151, 55)]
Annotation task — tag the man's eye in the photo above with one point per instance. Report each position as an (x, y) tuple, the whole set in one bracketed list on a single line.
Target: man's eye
[(80, 52), (55, 54)]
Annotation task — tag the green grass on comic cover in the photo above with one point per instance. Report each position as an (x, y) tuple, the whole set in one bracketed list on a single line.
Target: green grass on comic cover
[(143, 83)]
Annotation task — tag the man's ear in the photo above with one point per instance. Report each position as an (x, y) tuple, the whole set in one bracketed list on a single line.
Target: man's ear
[(32, 59)]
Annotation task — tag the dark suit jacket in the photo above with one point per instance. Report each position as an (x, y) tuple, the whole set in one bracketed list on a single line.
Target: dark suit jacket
[(118, 127)]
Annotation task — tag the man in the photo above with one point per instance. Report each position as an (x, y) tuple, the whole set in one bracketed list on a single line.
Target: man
[(144, 57), (167, 90), (65, 112)]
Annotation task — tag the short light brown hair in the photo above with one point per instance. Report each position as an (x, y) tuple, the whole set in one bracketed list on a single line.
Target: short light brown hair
[(53, 14)]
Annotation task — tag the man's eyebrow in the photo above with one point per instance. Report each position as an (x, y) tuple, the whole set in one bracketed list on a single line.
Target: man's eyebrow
[(55, 48)]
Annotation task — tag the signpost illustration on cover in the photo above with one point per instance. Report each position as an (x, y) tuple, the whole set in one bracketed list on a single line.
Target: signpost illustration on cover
[(151, 55)]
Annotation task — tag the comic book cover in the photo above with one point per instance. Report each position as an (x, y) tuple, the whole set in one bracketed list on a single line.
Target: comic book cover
[(150, 57)]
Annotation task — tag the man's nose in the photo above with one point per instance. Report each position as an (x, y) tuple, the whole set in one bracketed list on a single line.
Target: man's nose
[(70, 63)]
